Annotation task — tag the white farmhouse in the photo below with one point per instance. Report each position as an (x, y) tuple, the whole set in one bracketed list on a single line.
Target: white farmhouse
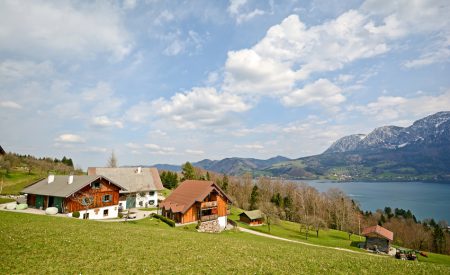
[(142, 184)]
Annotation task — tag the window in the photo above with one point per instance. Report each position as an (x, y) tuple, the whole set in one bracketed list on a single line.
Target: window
[(86, 216), (152, 193), (152, 202), (87, 201), (106, 198), (96, 185), (141, 203), (105, 213)]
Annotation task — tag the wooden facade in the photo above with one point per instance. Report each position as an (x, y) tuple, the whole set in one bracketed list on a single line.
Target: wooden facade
[(74, 202), (214, 205), (249, 221)]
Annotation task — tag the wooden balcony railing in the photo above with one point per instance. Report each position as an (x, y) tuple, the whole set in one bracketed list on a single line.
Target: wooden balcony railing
[(209, 204), (208, 218)]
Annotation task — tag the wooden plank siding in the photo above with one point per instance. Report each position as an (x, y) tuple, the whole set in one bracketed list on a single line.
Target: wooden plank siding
[(191, 214), (71, 205)]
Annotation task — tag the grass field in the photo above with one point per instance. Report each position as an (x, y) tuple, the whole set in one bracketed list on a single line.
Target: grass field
[(41, 244), (329, 237), (15, 181), (6, 200)]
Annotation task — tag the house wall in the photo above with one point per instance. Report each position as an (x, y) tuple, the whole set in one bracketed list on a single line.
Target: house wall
[(142, 201), (98, 213), (382, 244), (71, 204), (244, 218), (191, 215), (222, 206)]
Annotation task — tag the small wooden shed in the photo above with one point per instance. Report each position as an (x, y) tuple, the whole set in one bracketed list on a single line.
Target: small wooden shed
[(378, 238), (254, 217)]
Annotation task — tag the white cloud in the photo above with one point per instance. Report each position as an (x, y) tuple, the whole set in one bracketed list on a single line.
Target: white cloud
[(180, 42), (164, 17), (392, 109), (250, 146), (156, 149), (62, 28), (438, 52), (70, 138), (132, 145), (14, 70), (199, 107), (235, 9), (194, 152), (105, 122), (321, 92), (10, 104), (193, 109), (102, 98), (95, 149), (129, 4)]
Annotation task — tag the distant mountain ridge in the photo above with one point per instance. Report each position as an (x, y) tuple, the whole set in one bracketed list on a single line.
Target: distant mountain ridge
[(418, 152)]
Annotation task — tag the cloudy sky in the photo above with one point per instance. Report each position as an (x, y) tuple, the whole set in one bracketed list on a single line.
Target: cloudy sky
[(171, 81)]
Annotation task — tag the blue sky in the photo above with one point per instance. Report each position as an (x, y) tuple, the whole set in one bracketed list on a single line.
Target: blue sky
[(172, 81)]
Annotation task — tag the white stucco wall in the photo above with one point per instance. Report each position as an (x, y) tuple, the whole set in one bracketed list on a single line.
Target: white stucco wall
[(97, 213), (222, 222), (144, 201)]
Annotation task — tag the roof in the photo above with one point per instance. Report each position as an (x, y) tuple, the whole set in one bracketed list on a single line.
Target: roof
[(188, 193), (253, 215), (134, 179), (60, 187), (2, 152), (378, 230)]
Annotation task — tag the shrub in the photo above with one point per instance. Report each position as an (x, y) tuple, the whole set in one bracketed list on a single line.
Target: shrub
[(164, 219), (120, 215), (76, 214)]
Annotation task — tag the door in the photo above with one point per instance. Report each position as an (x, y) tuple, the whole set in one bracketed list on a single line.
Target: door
[(51, 201), (131, 202), (39, 201)]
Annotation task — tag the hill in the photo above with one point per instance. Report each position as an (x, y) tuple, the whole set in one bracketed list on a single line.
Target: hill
[(60, 245)]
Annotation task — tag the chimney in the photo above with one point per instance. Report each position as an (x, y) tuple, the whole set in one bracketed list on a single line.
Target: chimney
[(70, 180), (51, 178), (139, 170)]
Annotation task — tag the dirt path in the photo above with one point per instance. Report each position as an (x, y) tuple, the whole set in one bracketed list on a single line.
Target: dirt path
[(300, 242)]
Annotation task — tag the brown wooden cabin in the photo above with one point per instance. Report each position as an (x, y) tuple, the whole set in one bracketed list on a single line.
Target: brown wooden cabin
[(196, 200), (254, 217), (378, 238), (66, 193)]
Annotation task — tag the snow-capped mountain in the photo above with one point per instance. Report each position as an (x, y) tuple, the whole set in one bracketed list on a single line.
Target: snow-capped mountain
[(431, 130)]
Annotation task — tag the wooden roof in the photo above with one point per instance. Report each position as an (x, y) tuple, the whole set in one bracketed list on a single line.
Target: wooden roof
[(188, 193), (253, 215), (378, 231), (2, 152)]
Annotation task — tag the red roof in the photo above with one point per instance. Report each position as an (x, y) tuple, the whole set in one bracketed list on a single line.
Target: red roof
[(189, 192), (378, 230)]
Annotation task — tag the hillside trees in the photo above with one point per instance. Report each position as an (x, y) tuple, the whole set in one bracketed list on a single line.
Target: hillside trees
[(169, 179), (254, 197), (112, 161), (188, 171)]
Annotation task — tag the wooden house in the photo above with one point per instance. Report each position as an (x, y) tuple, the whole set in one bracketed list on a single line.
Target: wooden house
[(2, 152), (196, 200), (254, 217), (95, 197), (378, 238), (142, 184)]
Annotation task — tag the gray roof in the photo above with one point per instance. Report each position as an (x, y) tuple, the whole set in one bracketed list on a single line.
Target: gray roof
[(134, 181), (253, 215), (60, 187)]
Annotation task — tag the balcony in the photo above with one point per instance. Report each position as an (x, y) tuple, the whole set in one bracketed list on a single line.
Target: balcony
[(208, 218), (208, 204)]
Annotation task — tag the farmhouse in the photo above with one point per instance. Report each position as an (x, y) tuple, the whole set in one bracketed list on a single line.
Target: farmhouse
[(142, 184), (196, 200), (95, 197), (254, 217), (378, 238)]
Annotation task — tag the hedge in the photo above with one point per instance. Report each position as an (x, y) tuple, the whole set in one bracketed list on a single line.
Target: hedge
[(164, 219)]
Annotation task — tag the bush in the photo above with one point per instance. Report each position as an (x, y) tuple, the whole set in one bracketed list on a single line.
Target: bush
[(76, 214), (120, 215), (164, 219)]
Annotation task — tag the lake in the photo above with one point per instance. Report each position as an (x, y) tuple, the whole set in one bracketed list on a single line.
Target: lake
[(424, 199)]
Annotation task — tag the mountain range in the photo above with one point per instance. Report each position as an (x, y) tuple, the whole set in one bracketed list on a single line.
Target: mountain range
[(418, 152)]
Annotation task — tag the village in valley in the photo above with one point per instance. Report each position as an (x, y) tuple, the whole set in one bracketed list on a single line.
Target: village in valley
[(200, 203)]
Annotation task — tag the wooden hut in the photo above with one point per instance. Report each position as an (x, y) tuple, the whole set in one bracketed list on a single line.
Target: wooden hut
[(378, 238), (254, 217)]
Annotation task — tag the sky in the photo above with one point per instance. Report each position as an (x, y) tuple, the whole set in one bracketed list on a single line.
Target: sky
[(176, 81)]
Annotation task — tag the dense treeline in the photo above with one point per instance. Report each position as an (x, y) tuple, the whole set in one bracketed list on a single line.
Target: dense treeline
[(31, 164)]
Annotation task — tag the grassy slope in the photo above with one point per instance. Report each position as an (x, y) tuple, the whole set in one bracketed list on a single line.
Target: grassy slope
[(45, 244), (16, 180), (329, 237)]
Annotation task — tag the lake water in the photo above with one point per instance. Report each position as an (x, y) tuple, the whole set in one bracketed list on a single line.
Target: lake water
[(424, 199)]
